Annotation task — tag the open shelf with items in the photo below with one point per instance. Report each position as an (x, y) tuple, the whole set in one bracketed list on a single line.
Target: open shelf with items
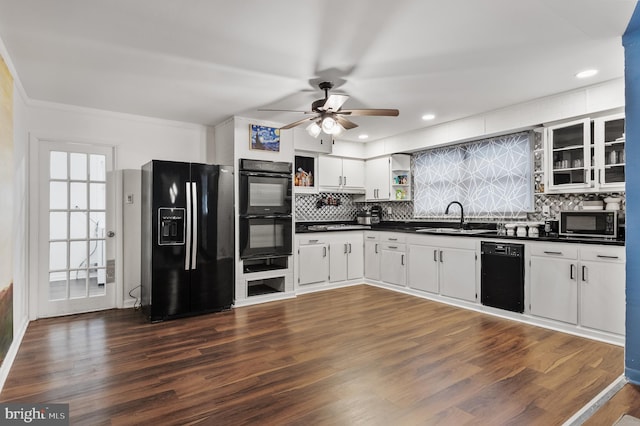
[(305, 173), (401, 177)]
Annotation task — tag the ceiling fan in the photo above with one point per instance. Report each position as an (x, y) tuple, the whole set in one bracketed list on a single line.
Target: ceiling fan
[(328, 115)]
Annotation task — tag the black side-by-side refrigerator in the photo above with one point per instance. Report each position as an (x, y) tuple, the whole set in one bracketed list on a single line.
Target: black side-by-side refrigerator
[(187, 239)]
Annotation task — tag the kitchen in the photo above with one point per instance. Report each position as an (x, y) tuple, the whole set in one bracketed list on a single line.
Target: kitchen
[(45, 120)]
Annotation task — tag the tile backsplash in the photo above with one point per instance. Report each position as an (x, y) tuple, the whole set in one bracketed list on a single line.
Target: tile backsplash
[(307, 209)]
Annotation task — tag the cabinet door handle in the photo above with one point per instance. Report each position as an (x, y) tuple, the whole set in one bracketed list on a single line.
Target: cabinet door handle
[(558, 253), (572, 272), (375, 193), (603, 256), (324, 252), (345, 248), (313, 241), (393, 239), (344, 180), (435, 255), (441, 257), (376, 249), (402, 260), (393, 247), (584, 273), (371, 238), (349, 247)]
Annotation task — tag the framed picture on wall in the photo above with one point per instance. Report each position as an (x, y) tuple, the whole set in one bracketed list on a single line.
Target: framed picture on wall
[(264, 138)]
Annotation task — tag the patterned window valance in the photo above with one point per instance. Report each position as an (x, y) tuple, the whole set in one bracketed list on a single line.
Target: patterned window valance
[(491, 178)]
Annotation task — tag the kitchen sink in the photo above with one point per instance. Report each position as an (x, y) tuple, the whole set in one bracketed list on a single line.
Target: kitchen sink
[(455, 231)]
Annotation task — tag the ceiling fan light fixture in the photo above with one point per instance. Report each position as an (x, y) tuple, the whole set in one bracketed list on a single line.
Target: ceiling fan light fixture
[(329, 125), (313, 129)]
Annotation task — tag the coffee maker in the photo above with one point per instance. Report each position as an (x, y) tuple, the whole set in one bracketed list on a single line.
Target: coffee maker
[(376, 214)]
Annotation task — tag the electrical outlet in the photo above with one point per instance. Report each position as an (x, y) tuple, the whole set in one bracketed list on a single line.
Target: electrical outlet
[(129, 198), (545, 211), (389, 210)]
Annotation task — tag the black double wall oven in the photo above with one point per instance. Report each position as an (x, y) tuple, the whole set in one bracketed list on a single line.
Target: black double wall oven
[(265, 209)]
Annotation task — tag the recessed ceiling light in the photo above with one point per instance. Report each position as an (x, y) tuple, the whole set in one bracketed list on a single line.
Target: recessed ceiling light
[(586, 73), (428, 117), (363, 136)]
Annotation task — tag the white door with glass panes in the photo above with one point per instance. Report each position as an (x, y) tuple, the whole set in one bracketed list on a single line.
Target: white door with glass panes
[(75, 224)]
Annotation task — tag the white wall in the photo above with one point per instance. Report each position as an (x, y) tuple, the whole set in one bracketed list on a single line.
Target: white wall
[(562, 106)]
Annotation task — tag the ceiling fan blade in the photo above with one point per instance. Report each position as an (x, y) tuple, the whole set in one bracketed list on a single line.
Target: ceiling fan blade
[(334, 102), (297, 123), (377, 112), (347, 124), (281, 110)]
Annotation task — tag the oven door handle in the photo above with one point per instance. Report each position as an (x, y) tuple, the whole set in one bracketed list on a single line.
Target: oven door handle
[(265, 174), (272, 216)]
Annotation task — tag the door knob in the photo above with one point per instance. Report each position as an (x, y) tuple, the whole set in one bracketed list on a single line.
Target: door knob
[(111, 234)]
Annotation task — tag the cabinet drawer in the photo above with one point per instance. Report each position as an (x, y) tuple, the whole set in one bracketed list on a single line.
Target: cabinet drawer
[(393, 237), (371, 236), (565, 251), (603, 253), (314, 239), (393, 246)]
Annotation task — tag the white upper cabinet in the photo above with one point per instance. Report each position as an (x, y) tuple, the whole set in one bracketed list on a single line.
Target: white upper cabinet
[(377, 179), (586, 155), (337, 173), (388, 178)]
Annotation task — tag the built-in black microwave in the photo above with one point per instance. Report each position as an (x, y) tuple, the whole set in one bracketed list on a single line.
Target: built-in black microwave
[(265, 236), (589, 223), (265, 187)]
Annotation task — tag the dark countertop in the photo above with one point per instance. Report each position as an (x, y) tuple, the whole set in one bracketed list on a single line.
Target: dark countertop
[(412, 226)]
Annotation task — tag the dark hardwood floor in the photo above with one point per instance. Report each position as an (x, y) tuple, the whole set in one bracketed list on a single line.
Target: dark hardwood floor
[(356, 355)]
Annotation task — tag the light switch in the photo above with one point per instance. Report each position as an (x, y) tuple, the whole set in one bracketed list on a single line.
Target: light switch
[(545, 211), (129, 198)]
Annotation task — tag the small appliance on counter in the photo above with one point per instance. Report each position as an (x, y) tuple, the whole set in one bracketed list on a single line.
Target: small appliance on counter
[(363, 217), (596, 223), (376, 214), (550, 228)]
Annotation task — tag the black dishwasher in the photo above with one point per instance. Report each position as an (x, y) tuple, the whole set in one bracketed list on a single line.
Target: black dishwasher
[(502, 280)]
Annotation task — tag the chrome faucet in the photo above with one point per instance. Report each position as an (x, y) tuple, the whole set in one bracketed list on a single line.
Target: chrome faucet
[(461, 212)]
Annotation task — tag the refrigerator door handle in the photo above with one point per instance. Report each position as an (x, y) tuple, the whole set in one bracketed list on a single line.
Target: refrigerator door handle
[(187, 251), (194, 243)]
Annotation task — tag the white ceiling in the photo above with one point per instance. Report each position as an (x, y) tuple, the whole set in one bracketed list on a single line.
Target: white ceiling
[(202, 61)]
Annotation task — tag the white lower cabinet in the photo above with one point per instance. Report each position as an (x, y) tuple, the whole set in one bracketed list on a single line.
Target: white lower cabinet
[(458, 274), (579, 284), (372, 255), (554, 287), (445, 266), (602, 288), (392, 263), (423, 268), (329, 257), (313, 260), (346, 257)]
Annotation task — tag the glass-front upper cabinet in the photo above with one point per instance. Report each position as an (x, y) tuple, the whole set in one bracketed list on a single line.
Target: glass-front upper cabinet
[(610, 130), (569, 155), (586, 155)]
